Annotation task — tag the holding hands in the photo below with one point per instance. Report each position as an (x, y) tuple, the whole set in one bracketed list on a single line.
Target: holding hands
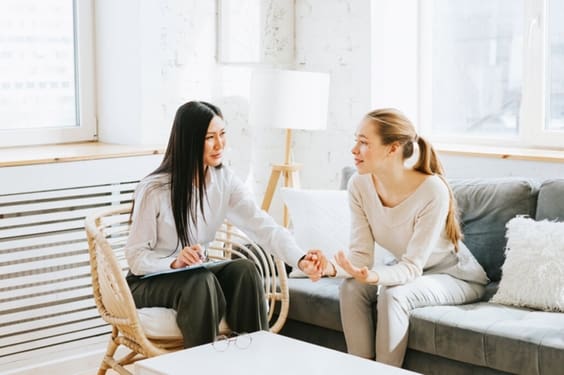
[(312, 264), (315, 265)]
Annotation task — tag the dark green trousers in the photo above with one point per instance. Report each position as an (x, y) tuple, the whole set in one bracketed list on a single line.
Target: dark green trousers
[(202, 296)]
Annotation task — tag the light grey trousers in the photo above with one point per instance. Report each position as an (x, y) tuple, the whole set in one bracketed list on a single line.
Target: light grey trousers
[(386, 339)]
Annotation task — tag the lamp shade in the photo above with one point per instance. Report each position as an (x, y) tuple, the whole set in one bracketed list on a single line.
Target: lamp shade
[(289, 99)]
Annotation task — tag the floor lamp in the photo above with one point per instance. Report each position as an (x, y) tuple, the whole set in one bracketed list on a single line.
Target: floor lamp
[(287, 99)]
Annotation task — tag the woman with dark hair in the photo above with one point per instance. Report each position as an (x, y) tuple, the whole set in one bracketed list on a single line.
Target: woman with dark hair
[(177, 211), (411, 212)]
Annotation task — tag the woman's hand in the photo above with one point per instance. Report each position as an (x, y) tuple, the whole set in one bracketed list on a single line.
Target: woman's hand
[(360, 274), (310, 264), (188, 256), (315, 265)]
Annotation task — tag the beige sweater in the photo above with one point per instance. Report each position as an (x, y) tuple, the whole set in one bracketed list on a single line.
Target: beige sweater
[(413, 231)]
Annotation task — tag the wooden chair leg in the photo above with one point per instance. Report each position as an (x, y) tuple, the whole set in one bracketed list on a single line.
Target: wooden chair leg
[(117, 367), (110, 351)]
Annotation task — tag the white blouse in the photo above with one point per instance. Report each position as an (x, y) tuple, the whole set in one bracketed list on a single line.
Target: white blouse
[(153, 243), (414, 231)]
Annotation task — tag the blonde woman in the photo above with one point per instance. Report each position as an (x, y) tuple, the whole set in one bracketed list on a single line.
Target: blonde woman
[(411, 212)]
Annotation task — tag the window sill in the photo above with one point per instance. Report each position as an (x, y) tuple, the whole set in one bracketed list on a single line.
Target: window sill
[(31, 155), (556, 156)]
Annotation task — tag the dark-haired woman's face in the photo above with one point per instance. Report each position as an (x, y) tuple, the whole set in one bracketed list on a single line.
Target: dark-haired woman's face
[(214, 143)]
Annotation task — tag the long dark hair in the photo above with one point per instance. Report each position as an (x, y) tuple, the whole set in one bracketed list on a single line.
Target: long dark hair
[(394, 126), (184, 162)]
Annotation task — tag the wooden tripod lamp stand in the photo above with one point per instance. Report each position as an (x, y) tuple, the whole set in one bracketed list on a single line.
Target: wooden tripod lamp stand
[(288, 99), (289, 170)]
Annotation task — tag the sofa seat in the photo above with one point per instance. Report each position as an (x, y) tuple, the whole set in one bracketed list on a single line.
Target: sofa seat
[(511, 339), (315, 303)]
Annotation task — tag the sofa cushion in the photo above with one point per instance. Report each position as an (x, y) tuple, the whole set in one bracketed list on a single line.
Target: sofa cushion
[(320, 220), (512, 339), (159, 323), (485, 206), (550, 203)]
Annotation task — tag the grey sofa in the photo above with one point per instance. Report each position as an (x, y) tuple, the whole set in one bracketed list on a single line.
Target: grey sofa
[(478, 338)]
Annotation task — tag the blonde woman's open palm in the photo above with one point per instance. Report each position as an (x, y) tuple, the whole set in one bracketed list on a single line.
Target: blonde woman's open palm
[(359, 273)]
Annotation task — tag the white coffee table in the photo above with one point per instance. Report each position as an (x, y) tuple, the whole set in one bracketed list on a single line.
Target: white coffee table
[(269, 354)]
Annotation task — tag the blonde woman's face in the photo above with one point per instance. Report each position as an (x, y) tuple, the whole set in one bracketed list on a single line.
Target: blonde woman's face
[(214, 143), (369, 153)]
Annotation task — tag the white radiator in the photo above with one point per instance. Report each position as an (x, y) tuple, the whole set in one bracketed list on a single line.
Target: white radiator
[(45, 285)]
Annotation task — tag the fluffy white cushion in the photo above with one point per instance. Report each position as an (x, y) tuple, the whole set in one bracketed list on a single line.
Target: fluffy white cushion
[(320, 220), (160, 323), (533, 272)]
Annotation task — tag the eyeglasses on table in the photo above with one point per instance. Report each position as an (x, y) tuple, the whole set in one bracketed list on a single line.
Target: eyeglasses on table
[(240, 340)]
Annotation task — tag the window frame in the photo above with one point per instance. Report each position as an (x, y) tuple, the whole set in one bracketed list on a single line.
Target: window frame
[(85, 91)]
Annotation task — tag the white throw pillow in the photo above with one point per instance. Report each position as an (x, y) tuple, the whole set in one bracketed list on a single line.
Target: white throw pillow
[(320, 220), (533, 272)]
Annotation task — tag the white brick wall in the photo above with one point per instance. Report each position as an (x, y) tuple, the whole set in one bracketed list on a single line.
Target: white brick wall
[(334, 37), (166, 56)]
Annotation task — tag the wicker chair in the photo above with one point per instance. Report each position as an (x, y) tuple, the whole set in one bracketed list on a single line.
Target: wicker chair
[(107, 232)]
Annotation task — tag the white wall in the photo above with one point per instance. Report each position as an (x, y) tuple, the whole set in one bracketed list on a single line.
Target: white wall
[(154, 55), (333, 37)]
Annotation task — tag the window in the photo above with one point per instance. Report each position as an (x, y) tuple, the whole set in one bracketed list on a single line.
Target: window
[(492, 71), (556, 67), (46, 72)]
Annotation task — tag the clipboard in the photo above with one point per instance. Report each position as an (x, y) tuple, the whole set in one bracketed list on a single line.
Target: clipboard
[(188, 268)]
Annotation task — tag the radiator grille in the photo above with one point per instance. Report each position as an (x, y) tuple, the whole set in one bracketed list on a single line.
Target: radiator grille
[(45, 286)]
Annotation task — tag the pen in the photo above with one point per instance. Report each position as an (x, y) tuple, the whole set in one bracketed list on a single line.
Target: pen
[(203, 254)]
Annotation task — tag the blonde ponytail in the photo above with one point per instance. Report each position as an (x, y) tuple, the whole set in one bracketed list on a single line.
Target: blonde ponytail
[(430, 164)]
